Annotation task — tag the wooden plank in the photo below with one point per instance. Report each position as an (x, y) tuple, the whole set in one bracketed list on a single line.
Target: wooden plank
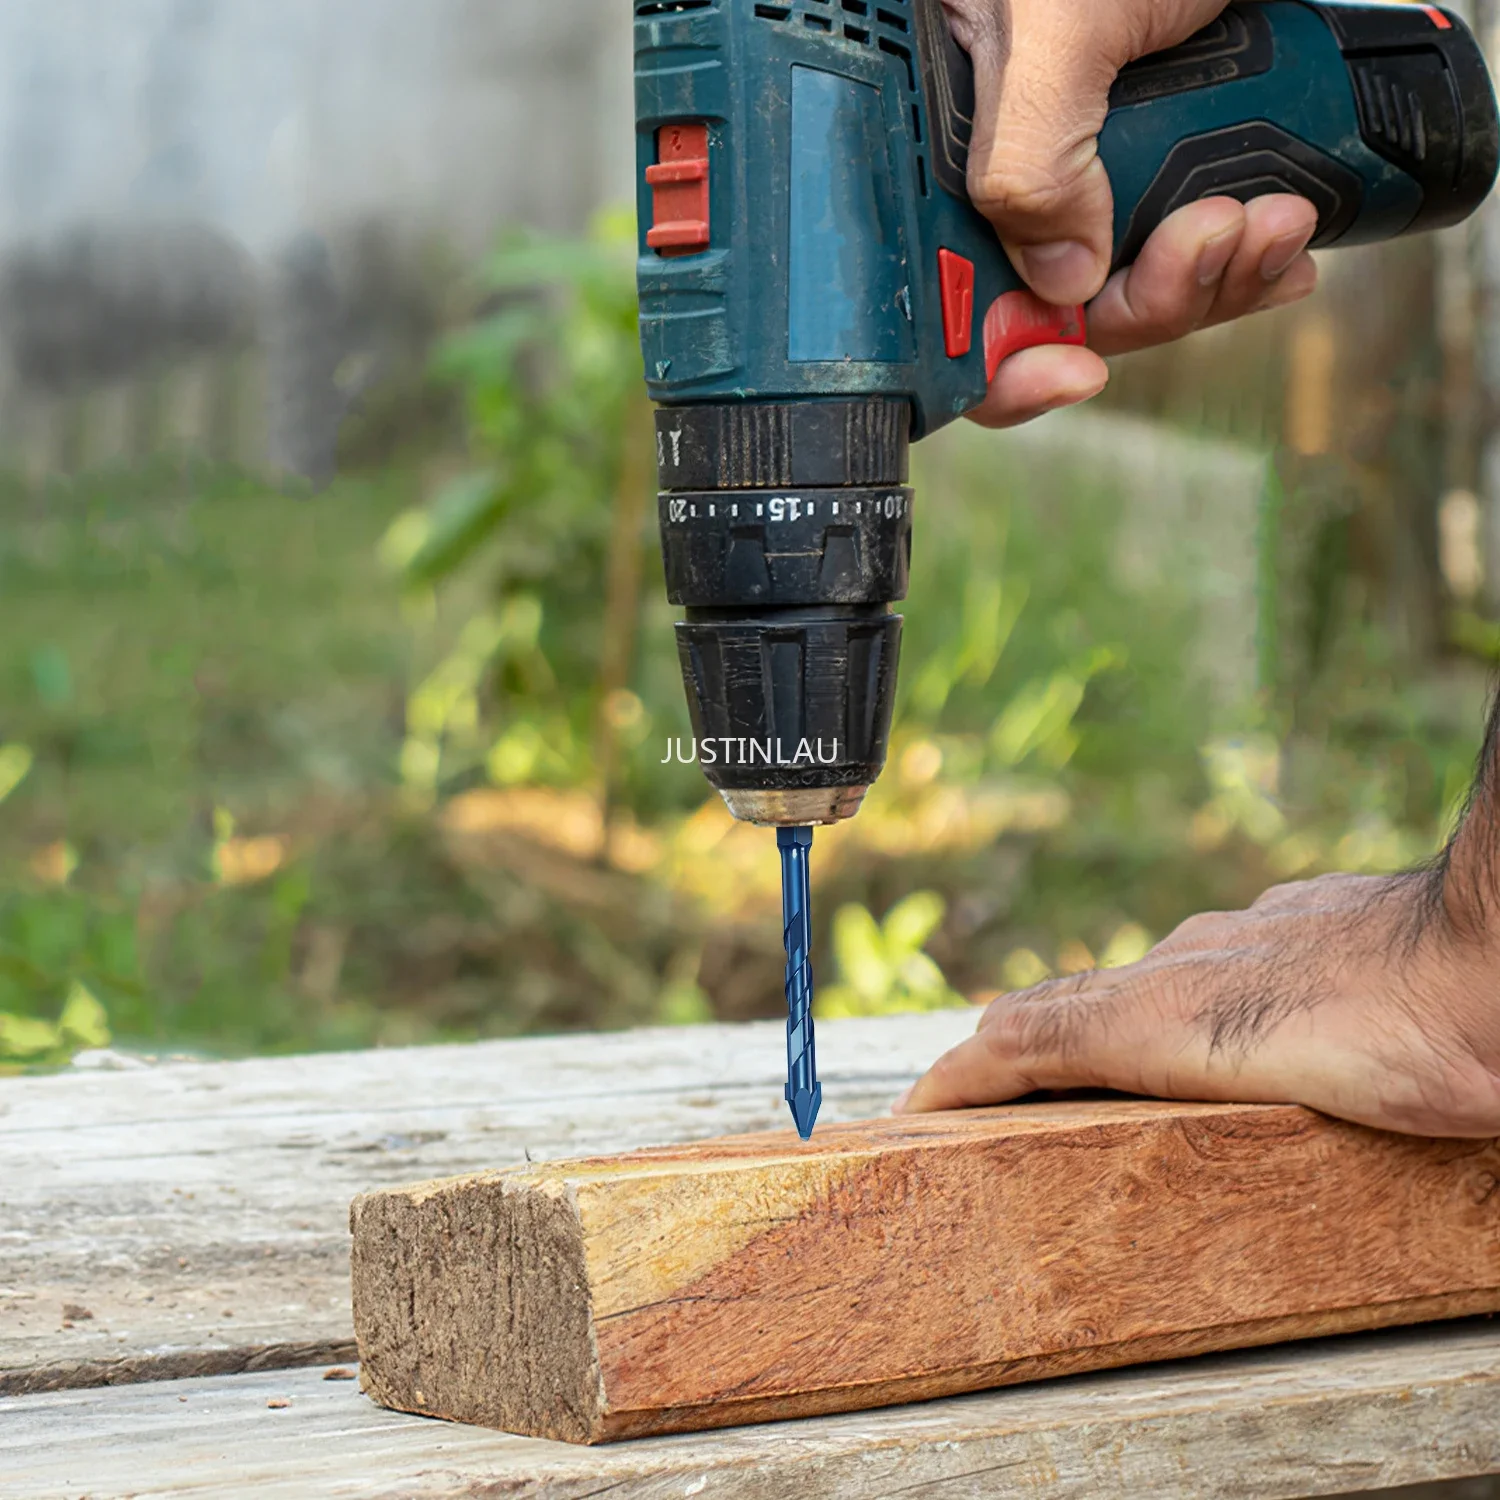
[(760, 1278), (1326, 1418), (161, 1199)]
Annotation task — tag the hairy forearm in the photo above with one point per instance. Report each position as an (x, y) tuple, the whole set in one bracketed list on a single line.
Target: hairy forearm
[(1467, 875)]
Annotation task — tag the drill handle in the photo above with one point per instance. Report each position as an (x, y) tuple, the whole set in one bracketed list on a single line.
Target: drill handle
[(1382, 116), (1220, 116)]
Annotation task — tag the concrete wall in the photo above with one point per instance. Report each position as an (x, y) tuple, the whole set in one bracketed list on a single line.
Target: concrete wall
[(205, 205)]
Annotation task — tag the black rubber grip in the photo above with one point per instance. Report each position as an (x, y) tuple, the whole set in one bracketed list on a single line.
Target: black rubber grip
[(1246, 161), (1239, 44), (761, 445), (1425, 103)]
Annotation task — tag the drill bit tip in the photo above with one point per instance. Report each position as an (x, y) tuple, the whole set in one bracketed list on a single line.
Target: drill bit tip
[(805, 1107)]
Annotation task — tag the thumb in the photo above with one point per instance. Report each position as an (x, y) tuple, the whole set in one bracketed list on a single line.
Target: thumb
[(1063, 1034), (1043, 70), (1041, 96)]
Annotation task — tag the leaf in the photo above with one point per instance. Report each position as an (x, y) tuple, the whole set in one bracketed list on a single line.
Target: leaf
[(16, 762), (1023, 969), (837, 1002), (911, 922), (991, 612), (1041, 713), (1130, 944), (1039, 719), (51, 675), (933, 685), (23, 1039), (84, 1022), (683, 1004), (404, 538), (461, 519), (488, 351), (926, 984), (859, 947), (602, 271), (23, 970)]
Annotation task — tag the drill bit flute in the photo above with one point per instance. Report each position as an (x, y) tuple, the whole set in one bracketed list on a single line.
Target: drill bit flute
[(803, 1091)]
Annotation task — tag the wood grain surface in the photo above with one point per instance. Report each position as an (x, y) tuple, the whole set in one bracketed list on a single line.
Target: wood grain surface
[(199, 1211), (1326, 1418), (754, 1279)]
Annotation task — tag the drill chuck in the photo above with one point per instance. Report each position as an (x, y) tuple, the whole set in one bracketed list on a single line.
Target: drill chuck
[(786, 533)]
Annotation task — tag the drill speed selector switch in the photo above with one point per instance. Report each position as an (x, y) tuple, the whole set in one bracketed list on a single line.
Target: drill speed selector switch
[(817, 292)]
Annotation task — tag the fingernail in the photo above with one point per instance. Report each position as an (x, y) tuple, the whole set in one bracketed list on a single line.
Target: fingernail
[(1280, 253), (1214, 258), (900, 1103), (1065, 272), (1076, 397)]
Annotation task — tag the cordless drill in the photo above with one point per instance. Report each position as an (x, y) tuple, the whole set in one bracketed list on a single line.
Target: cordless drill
[(817, 292)]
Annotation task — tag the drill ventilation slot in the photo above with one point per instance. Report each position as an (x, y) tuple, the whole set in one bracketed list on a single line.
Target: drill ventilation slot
[(889, 31)]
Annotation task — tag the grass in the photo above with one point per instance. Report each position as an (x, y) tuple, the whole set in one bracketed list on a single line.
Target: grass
[(187, 652), (178, 642)]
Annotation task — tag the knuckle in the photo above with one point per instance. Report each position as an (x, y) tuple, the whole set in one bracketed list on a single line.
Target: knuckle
[(1276, 896), (1205, 924), (967, 19), (1017, 189), (1045, 1022), (1012, 1035), (1176, 979), (1029, 177)]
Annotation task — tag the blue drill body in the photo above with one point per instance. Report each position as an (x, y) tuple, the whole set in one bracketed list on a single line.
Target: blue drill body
[(817, 291)]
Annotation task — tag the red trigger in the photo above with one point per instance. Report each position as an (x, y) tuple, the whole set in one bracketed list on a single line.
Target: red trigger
[(1021, 320)]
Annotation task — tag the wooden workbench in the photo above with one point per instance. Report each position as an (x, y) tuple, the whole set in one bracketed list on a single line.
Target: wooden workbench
[(173, 1286)]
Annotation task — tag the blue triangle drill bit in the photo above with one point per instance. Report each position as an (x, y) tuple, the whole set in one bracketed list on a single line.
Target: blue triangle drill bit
[(803, 1091)]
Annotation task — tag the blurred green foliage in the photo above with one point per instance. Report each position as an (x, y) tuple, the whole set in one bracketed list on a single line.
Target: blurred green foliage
[(882, 969), (551, 383), (181, 639), (283, 772), (26, 1041)]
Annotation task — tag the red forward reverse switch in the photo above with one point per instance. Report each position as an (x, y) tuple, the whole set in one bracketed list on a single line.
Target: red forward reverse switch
[(956, 278), (679, 186)]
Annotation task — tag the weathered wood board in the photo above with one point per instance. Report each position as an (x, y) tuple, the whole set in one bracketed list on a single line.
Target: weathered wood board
[(199, 1211), (760, 1278), (1326, 1418), (109, 1182)]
